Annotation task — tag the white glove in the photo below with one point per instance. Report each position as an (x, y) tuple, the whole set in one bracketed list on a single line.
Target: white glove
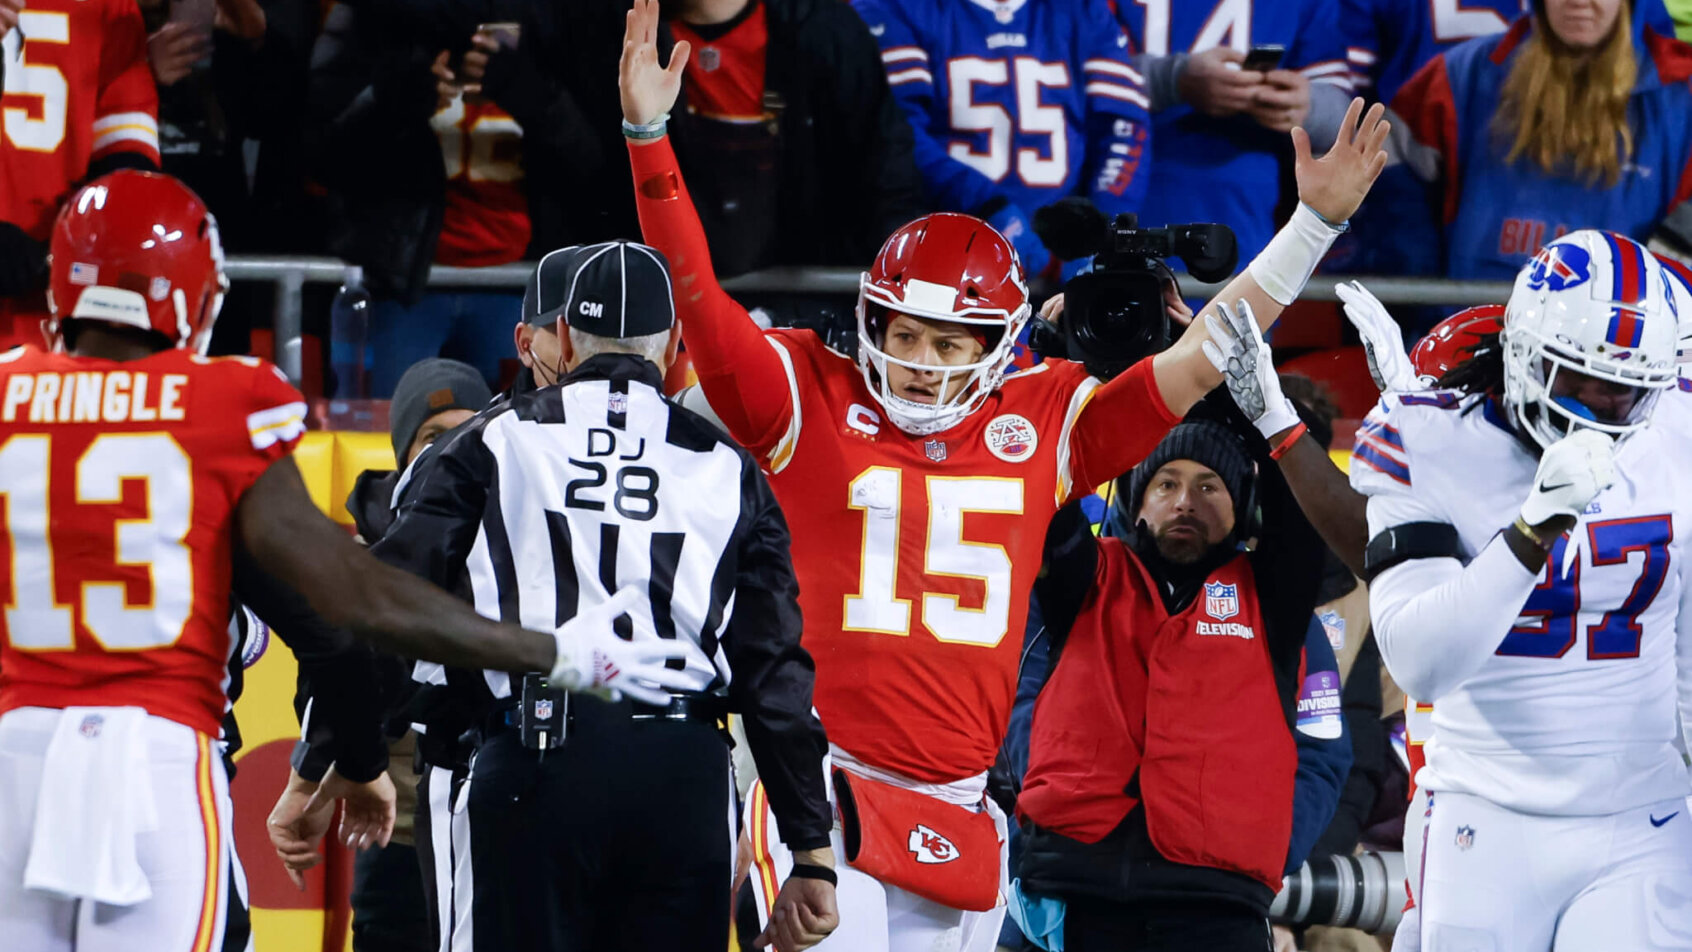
[(1241, 355), (593, 660), (1572, 472), (1383, 340)]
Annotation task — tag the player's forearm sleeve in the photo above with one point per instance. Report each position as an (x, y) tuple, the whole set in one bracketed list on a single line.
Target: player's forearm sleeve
[(1437, 620), (774, 675), (741, 375), (1120, 425)]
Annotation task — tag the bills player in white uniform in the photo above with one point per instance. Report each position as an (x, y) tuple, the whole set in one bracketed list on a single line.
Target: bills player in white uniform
[(1554, 792), (1395, 370)]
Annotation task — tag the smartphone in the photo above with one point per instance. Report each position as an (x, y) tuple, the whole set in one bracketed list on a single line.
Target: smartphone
[(1264, 58), (505, 34)]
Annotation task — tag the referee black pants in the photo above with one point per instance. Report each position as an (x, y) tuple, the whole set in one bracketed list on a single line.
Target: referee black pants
[(621, 839)]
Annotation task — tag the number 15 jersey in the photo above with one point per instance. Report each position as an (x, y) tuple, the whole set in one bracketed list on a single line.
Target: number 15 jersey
[(916, 555), (1574, 713), (119, 482)]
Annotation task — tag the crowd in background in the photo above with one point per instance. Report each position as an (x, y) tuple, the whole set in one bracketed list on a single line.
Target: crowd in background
[(403, 134)]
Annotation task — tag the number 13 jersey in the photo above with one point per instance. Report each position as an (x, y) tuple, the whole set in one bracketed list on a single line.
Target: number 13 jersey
[(119, 482), (1574, 713)]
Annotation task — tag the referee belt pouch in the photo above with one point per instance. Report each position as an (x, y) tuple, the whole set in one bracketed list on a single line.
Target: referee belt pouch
[(938, 850)]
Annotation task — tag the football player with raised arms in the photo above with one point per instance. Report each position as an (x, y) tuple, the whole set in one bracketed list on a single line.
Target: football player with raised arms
[(130, 466), (1527, 561), (919, 481)]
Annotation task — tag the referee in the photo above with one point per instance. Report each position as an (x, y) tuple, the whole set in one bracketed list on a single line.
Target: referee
[(609, 824)]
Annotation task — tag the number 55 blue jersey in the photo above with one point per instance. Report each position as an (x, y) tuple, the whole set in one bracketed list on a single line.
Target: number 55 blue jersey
[(1025, 100)]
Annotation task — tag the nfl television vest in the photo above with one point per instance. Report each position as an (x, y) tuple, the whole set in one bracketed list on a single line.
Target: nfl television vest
[(1177, 713)]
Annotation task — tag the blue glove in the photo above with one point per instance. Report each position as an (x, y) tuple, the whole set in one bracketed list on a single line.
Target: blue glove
[(1011, 222)]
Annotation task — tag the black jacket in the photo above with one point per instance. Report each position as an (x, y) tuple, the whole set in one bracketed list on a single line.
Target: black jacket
[(370, 146), (1125, 866), (846, 163)]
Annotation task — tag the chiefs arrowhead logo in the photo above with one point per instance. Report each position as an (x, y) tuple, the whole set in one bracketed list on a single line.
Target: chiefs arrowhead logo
[(930, 847)]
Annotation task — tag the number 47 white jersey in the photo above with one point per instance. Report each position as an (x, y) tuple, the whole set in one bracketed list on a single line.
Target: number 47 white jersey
[(1573, 712)]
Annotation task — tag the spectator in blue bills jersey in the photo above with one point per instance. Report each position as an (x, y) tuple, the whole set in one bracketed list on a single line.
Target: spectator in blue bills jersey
[(1576, 117), (1221, 129), (1386, 42), (1015, 104)]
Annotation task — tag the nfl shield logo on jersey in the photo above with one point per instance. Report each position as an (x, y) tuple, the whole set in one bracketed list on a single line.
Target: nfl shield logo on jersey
[(617, 403), (1465, 837), (709, 59), (543, 710), (91, 724), (936, 450), (1221, 600)]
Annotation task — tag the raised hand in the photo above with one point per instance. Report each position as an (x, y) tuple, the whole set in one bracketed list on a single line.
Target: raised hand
[(1240, 354), (1383, 340), (1334, 185), (648, 90)]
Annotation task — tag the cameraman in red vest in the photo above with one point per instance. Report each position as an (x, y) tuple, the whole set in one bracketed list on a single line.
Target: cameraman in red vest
[(1158, 801)]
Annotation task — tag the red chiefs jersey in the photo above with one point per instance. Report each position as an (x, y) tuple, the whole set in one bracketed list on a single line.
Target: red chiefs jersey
[(81, 90), (725, 80), (915, 555), (120, 481), (486, 219)]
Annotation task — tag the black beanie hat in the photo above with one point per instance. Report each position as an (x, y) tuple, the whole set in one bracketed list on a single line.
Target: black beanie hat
[(1204, 442), (427, 388)]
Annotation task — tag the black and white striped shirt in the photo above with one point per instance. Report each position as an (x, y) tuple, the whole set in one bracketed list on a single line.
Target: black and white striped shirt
[(557, 498)]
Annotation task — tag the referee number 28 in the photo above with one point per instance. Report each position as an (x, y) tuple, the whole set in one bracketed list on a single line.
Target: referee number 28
[(876, 606)]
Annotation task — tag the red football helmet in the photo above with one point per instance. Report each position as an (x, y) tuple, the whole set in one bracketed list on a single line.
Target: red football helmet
[(942, 267), (1452, 341), (137, 249)]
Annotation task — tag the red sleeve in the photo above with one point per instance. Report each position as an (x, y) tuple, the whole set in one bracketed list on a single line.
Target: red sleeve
[(275, 412), (1429, 111), (742, 376), (126, 110), (1120, 425)]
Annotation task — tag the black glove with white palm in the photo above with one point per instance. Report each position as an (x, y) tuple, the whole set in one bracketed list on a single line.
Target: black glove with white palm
[(593, 660), (1383, 339), (1241, 355)]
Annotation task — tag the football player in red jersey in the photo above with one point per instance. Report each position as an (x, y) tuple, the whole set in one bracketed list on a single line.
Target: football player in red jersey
[(129, 467), (78, 101), (919, 482)]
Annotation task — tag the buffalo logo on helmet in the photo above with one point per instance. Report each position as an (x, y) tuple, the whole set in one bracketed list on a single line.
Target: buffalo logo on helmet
[(1221, 600), (1560, 267), (1011, 438), (930, 847)]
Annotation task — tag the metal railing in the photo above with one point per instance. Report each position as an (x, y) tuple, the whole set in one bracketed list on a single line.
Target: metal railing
[(292, 274)]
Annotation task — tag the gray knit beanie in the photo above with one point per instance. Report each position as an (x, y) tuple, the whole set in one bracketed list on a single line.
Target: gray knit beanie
[(427, 388)]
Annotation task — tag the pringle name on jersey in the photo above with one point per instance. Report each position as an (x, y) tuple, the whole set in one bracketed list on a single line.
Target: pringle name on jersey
[(115, 396)]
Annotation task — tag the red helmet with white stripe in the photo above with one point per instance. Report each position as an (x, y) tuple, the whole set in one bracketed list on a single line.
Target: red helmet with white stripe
[(137, 249), (942, 267), (1452, 341)]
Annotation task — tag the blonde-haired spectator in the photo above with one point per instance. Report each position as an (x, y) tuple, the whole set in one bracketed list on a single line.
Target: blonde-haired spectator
[(1573, 118)]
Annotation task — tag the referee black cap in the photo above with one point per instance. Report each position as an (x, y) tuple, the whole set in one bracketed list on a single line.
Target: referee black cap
[(613, 289)]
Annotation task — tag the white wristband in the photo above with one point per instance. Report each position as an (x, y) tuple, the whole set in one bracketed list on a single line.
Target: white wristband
[(1283, 267)]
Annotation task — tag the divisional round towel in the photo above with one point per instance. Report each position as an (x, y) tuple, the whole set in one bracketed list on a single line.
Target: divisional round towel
[(96, 797)]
